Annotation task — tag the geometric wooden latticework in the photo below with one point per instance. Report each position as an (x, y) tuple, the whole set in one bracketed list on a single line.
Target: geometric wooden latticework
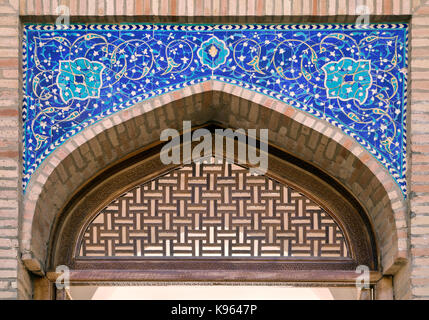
[(213, 210)]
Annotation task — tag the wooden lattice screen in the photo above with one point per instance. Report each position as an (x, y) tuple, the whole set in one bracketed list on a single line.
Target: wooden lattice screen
[(213, 210)]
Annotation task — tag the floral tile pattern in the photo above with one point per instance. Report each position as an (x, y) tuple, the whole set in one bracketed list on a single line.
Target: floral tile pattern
[(355, 78), (79, 79), (348, 79)]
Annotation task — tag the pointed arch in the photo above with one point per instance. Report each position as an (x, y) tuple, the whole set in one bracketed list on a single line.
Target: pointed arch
[(121, 135)]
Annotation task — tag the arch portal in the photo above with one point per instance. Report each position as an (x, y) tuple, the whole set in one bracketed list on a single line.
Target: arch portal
[(318, 146)]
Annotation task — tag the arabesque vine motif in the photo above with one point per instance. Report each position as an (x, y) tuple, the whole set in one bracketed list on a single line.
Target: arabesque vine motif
[(353, 78)]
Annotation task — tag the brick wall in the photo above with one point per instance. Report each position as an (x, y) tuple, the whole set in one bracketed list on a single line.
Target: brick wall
[(419, 171), (14, 280), (9, 149), (188, 9)]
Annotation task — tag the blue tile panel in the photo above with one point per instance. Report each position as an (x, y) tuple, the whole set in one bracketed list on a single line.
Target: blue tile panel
[(352, 77)]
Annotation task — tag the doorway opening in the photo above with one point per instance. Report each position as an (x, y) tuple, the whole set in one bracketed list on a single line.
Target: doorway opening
[(198, 291)]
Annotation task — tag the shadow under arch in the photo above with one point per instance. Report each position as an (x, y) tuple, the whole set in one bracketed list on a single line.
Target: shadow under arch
[(124, 134)]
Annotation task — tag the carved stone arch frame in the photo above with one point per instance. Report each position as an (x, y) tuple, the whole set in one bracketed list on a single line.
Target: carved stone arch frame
[(283, 167)]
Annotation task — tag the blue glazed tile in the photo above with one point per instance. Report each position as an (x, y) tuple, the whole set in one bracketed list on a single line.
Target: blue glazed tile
[(353, 78)]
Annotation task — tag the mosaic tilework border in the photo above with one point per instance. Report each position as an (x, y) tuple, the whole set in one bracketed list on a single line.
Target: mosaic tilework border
[(215, 66)]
